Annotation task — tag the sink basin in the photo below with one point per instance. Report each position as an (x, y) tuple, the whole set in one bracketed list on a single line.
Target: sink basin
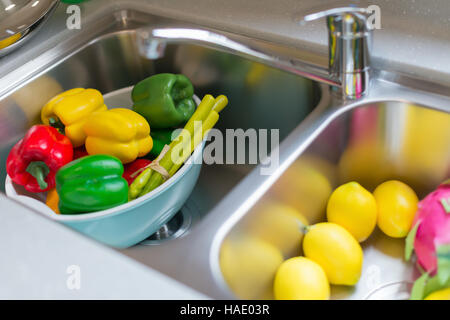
[(261, 97), (397, 131), (369, 144)]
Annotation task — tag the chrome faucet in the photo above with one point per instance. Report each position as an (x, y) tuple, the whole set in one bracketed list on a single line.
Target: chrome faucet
[(348, 70)]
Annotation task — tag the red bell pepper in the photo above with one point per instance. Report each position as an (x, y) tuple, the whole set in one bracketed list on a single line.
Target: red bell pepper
[(132, 170), (79, 152), (34, 160)]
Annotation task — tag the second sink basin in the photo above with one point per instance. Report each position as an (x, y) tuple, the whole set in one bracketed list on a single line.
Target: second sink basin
[(368, 144)]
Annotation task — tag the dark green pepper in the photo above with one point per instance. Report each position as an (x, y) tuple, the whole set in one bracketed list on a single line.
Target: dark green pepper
[(160, 139), (91, 183), (164, 99)]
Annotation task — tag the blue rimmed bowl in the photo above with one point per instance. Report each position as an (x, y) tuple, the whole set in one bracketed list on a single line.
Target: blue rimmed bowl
[(132, 222)]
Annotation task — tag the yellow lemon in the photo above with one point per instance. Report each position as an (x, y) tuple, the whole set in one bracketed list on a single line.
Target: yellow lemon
[(249, 265), (397, 205), (278, 224), (300, 278), (354, 208), (443, 294), (336, 251)]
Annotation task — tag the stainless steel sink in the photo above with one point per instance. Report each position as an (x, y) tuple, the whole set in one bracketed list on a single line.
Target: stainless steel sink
[(400, 130)]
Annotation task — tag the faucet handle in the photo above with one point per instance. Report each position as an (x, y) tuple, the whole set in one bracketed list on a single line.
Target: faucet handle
[(334, 12), (348, 20)]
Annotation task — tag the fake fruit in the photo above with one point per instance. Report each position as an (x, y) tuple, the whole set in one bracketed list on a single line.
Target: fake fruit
[(180, 149), (249, 265), (164, 100), (132, 170), (300, 278), (118, 132), (278, 224), (397, 205), (335, 250), (354, 208), (91, 183), (34, 160), (52, 200), (443, 294), (431, 227), (160, 138), (68, 111)]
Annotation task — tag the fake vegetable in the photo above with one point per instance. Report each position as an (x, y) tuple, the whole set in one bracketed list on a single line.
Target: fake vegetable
[(68, 112), (397, 205), (354, 208), (79, 152), (160, 138), (91, 183), (132, 170), (52, 200), (300, 278), (119, 132), (164, 99), (430, 240), (34, 160), (431, 227), (335, 250), (198, 126)]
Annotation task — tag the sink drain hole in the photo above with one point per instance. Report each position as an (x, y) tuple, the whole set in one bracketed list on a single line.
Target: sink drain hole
[(175, 228)]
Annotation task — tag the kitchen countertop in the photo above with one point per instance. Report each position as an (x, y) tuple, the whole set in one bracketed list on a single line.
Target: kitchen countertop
[(414, 38), (66, 265)]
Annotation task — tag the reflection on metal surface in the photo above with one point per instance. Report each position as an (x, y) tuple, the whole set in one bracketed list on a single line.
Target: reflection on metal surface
[(19, 19), (36, 94), (249, 265), (306, 186), (368, 144)]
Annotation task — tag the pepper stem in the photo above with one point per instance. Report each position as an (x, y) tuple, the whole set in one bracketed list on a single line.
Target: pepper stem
[(57, 124), (39, 170)]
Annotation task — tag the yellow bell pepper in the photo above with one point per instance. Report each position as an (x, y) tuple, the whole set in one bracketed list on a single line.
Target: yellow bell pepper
[(119, 132), (68, 111)]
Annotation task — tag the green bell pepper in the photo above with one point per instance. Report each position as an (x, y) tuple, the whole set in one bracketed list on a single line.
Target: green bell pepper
[(160, 138), (164, 99), (91, 183)]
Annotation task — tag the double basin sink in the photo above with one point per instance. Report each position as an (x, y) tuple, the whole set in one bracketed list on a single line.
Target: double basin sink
[(399, 131)]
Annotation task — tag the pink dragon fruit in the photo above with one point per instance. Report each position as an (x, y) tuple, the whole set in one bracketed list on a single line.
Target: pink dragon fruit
[(432, 221)]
